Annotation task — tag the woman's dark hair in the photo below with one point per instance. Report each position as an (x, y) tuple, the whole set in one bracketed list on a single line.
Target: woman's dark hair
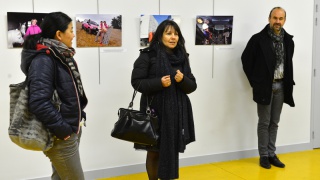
[(51, 23), (163, 26)]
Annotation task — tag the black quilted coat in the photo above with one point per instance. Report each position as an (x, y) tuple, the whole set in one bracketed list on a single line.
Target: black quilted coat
[(47, 72)]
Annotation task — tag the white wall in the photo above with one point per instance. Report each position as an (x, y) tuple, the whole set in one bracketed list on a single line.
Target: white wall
[(224, 113)]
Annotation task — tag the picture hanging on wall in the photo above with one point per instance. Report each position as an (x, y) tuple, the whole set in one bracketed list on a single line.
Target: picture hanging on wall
[(149, 24), (214, 30), (21, 25), (99, 30)]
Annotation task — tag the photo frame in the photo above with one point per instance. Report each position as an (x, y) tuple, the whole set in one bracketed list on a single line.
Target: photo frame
[(214, 30), (99, 30), (149, 24), (22, 24)]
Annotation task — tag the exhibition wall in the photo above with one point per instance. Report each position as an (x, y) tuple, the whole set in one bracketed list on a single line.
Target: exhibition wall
[(224, 112)]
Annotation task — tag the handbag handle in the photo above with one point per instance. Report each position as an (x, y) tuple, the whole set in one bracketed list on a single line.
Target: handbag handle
[(148, 110), (133, 96)]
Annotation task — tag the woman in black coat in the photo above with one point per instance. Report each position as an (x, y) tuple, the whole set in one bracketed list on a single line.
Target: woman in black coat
[(47, 60), (163, 75)]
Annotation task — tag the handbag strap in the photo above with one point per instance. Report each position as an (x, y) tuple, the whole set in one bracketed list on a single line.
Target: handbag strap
[(133, 96), (148, 110)]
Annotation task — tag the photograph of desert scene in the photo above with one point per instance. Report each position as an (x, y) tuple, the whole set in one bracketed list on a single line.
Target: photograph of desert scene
[(98, 30)]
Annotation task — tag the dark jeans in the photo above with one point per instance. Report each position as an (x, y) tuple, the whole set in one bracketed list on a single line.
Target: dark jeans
[(65, 159), (269, 117)]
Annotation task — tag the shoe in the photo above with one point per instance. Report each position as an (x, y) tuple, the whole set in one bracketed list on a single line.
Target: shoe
[(274, 160), (264, 162)]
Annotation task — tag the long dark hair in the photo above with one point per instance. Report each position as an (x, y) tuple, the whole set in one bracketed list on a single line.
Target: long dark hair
[(51, 23), (163, 26)]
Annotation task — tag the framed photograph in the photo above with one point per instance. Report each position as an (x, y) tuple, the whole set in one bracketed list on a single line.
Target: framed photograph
[(149, 24), (99, 30), (214, 30), (21, 25)]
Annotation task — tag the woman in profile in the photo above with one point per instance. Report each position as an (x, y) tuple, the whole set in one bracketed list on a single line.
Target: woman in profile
[(163, 75), (47, 60)]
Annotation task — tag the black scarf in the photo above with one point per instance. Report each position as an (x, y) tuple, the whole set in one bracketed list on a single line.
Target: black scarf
[(175, 112), (279, 50), (67, 54)]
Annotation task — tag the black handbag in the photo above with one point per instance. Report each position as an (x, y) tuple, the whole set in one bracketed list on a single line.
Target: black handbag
[(136, 126)]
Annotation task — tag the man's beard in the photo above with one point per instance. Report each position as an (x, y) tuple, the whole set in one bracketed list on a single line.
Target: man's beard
[(278, 28)]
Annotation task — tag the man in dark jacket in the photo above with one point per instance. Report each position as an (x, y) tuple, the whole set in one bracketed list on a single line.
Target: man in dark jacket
[(267, 63)]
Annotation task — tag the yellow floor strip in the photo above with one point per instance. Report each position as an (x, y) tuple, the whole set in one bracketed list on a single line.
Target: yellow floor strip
[(304, 165)]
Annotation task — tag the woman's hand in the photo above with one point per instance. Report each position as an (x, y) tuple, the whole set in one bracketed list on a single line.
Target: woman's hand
[(166, 81), (179, 76)]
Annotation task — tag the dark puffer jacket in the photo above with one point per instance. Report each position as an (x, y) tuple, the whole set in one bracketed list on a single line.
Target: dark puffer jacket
[(46, 72)]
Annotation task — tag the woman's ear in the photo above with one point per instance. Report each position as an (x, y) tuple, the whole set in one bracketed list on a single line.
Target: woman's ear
[(58, 35)]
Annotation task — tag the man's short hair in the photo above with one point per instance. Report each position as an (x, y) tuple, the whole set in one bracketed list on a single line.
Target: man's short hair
[(285, 13)]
